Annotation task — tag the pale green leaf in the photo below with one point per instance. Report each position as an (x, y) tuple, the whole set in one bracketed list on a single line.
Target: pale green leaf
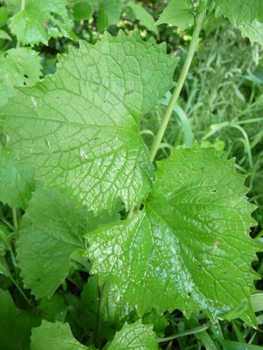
[(143, 16), (16, 180), (112, 9), (254, 31), (134, 337), (83, 10), (34, 24), (54, 336), (80, 127), (15, 324), (189, 248), (18, 67), (178, 13), (52, 232), (4, 35), (241, 12), (4, 14)]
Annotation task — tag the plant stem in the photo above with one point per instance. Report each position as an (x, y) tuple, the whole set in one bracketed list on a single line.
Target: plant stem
[(177, 90), (23, 6), (14, 218), (99, 316)]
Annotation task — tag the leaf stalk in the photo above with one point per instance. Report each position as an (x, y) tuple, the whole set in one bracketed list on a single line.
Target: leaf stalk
[(177, 90), (103, 297)]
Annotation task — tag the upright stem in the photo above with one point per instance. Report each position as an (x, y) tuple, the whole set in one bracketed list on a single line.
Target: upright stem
[(198, 25), (14, 214), (23, 6), (99, 316)]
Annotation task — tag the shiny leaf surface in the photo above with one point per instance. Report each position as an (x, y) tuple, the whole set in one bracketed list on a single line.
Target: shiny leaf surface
[(54, 336), (80, 127), (135, 337), (190, 246)]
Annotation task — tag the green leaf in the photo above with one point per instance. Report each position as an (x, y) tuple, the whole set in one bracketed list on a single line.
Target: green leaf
[(18, 67), (254, 31), (54, 336), (143, 16), (32, 25), (82, 135), (16, 180), (241, 12), (4, 35), (112, 9), (178, 13), (134, 336), (15, 324), (52, 231), (189, 248), (232, 345), (50, 308), (4, 14), (83, 10)]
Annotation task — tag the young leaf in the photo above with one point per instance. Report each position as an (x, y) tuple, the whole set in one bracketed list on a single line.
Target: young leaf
[(134, 336), (178, 13), (54, 336), (15, 324), (241, 12), (34, 24), (190, 246), (16, 180), (53, 230), (83, 10), (143, 16), (80, 127), (18, 67)]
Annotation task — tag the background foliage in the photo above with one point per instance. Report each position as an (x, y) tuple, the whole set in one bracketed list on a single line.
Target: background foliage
[(221, 105)]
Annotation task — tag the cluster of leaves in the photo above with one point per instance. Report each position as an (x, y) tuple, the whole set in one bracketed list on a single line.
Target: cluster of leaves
[(102, 246)]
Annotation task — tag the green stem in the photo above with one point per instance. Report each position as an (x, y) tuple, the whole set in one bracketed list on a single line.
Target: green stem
[(179, 86), (8, 224), (20, 290), (134, 210), (23, 6), (103, 296), (14, 214)]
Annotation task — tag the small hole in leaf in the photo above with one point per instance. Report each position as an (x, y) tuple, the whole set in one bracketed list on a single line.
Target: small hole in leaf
[(24, 83), (189, 294), (200, 265), (26, 76), (57, 96), (202, 168), (38, 279), (213, 191), (192, 157), (61, 175), (225, 272), (95, 138)]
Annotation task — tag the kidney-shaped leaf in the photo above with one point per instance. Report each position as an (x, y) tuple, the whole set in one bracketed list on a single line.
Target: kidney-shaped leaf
[(80, 127), (190, 246)]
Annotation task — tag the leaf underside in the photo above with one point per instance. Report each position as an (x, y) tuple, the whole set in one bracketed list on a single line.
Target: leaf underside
[(189, 248), (80, 127)]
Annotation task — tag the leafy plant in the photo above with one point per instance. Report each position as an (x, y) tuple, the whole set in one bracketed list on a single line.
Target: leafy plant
[(86, 196)]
